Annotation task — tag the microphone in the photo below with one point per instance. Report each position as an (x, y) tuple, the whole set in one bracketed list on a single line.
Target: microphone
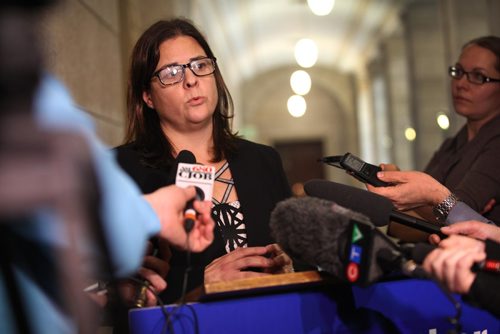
[(189, 173), (337, 240), (378, 208), (186, 157)]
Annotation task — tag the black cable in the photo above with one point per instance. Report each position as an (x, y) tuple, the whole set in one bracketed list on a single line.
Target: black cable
[(186, 276), (168, 326), (159, 301), (169, 315), (195, 319), (455, 320)]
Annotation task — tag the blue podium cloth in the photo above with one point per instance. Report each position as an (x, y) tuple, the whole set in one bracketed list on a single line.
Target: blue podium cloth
[(406, 306)]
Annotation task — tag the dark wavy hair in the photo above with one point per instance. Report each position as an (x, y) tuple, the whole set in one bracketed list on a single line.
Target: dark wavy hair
[(143, 123), (491, 43)]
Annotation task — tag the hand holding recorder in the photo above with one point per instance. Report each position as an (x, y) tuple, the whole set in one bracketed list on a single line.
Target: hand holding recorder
[(361, 170)]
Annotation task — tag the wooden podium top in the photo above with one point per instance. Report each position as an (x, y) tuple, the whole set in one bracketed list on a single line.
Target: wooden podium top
[(257, 285), (264, 282)]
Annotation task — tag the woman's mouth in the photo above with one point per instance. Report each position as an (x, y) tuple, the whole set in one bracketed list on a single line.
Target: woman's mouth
[(195, 101), (461, 99)]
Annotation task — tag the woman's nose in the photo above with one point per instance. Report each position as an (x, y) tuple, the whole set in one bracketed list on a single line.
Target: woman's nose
[(462, 82), (190, 79)]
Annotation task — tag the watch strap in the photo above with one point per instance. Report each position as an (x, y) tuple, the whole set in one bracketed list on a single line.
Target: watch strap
[(442, 210)]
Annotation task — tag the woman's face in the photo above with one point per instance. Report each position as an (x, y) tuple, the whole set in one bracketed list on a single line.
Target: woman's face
[(189, 104), (473, 101)]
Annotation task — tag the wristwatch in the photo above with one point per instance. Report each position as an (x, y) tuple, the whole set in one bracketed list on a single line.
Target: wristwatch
[(442, 210)]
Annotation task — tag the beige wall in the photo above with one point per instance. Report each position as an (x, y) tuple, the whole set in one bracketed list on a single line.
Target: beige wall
[(87, 45), (83, 49)]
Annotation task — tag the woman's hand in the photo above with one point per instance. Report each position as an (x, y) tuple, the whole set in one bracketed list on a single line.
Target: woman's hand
[(233, 265), (282, 262), (411, 189), (470, 228), (389, 167), (451, 263)]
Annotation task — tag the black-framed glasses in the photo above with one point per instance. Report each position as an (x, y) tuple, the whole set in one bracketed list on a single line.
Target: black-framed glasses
[(172, 74), (474, 77)]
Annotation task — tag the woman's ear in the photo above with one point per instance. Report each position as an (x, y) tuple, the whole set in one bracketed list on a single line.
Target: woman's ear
[(146, 97)]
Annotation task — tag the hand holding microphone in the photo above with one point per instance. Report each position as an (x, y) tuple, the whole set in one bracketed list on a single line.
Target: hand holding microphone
[(474, 229), (169, 202), (456, 261)]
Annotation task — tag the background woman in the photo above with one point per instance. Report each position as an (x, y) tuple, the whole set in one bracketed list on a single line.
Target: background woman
[(468, 163)]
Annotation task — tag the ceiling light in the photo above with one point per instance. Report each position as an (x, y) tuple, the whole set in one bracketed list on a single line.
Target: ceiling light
[(410, 134), (321, 7), (306, 52), (300, 81), (296, 105), (443, 121)]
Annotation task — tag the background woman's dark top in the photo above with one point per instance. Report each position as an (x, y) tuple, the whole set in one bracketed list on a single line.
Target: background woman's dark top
[(471, 170)]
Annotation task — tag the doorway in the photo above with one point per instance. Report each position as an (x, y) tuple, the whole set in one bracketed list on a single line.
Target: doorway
[(300, 162)]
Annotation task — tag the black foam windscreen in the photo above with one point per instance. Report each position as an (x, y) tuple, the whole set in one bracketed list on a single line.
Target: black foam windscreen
[(377, 207), (335, 239), (186, 156), (315, 231)]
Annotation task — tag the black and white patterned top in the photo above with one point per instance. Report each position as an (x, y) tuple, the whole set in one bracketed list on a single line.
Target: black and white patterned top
[(228, 216)]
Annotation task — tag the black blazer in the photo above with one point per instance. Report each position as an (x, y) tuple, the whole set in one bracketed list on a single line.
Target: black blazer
[(260, 183)]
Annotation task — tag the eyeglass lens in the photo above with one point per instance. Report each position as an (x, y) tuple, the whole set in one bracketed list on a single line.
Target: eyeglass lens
[(175, 73), (473, 76)]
